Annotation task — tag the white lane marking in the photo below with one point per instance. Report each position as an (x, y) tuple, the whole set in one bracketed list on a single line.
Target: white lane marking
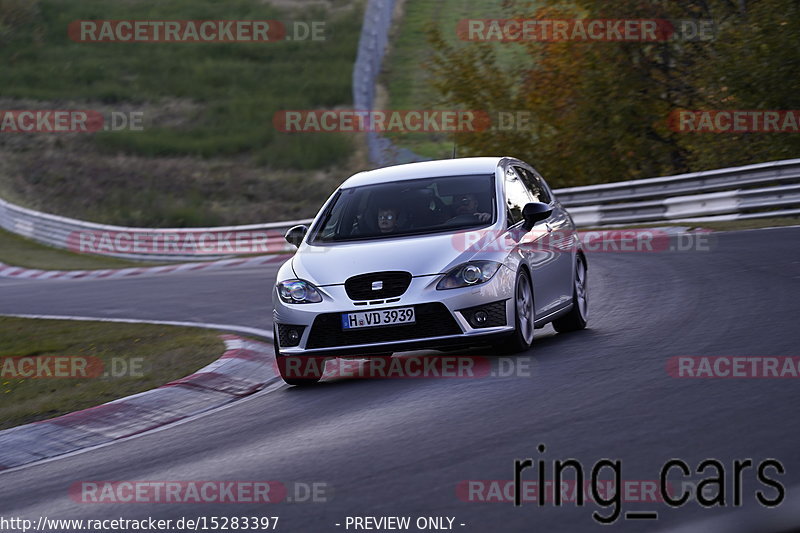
[(225, 327)]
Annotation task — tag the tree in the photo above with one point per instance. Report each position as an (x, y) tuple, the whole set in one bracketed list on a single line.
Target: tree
[(602, 109)]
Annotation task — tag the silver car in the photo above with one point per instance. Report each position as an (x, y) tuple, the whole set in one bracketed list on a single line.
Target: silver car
[(439, 254)]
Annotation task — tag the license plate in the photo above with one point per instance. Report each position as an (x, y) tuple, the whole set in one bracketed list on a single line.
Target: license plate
[(383, 317)]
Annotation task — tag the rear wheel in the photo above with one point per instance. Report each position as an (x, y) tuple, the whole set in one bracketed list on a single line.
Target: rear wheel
[(297, 370), (577, 317), (522, 337)]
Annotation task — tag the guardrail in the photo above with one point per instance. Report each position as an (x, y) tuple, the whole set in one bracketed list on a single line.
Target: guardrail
[(609, 203), (146, 244), (781, 198), (696, 182)]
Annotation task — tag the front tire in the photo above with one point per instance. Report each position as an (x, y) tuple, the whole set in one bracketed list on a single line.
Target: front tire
[(296, 370), (522, 337), (579, 314)]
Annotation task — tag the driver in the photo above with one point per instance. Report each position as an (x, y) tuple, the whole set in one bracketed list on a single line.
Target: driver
[(467, 204)]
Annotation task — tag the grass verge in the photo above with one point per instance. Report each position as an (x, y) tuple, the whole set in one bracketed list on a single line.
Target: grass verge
[(231, 90), (206, 152), (137, 357)]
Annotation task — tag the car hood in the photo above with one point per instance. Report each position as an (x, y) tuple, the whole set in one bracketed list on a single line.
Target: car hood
[(333, 264)]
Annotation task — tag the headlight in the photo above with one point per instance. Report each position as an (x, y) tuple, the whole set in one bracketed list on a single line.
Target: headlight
[(467, 274), (298, 291)]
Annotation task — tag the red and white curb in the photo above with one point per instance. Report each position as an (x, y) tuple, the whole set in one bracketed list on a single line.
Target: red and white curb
[(246, 366), (8, 271), (244, 330)]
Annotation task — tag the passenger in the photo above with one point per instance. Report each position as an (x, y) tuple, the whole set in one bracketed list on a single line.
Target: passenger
[(387, 219), (467, 204)]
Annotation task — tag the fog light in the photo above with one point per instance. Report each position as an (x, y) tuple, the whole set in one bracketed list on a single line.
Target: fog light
[(486, 315), (289, 335)]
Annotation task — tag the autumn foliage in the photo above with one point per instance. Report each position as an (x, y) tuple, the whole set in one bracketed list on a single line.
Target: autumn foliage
[(602, 109)]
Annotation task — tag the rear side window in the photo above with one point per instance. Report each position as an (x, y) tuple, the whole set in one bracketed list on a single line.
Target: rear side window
[(535, 185), (516, 196)]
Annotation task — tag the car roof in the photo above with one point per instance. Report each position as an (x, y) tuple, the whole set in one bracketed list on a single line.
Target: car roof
[(426, 169)]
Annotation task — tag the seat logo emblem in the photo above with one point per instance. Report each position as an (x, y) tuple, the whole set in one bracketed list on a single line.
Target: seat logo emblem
[(377, 285)]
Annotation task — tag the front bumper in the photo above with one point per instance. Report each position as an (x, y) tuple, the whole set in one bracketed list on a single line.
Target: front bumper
[(442, 319)]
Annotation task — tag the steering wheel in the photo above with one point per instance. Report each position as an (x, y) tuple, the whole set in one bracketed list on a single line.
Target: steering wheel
[(462, 219)]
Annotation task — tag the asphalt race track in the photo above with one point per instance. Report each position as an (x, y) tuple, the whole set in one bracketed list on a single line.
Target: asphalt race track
[(401, 447)]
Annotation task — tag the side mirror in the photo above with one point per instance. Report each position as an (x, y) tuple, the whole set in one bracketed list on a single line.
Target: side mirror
[(296, 234), (534, 212)]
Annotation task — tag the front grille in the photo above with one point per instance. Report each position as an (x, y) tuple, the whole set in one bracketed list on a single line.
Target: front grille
[(394, 284), (431, 320), (495, 313)]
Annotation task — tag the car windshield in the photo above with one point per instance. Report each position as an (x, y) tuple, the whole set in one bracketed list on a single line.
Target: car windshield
[(409, 207)]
